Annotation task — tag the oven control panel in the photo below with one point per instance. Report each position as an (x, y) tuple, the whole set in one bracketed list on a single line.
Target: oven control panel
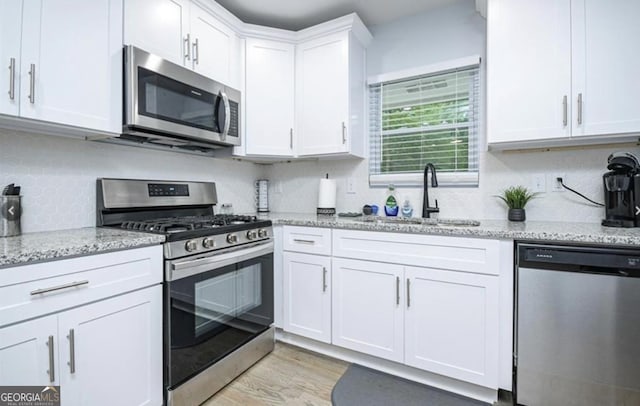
[(168, 189)]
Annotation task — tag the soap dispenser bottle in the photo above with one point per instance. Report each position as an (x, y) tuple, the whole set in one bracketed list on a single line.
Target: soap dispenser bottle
[(407, 209), (391, 204)]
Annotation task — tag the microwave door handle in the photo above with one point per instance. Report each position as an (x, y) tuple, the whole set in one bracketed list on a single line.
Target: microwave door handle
[(227, 114)]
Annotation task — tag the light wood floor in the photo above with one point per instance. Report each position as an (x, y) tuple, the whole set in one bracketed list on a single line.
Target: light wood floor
[(287, 376)]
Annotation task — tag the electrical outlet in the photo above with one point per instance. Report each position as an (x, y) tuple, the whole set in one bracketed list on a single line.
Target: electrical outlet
[(557, 185), (278, 186), (351, 185), (538, 183)]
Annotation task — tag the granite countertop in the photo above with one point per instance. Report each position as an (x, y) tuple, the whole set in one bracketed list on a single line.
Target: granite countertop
[(50, 245), (568, 232)]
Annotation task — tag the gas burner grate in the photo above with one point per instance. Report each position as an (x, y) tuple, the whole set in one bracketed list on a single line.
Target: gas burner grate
[(180, 224)]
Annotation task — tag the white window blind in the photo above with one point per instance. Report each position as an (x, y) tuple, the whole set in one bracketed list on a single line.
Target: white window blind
[(428, 118)]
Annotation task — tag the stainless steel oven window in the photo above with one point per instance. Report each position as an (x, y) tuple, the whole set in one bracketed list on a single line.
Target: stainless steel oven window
[(224, 298)]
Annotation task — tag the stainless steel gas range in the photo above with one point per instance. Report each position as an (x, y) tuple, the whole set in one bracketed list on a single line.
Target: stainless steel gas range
[(218, 291)]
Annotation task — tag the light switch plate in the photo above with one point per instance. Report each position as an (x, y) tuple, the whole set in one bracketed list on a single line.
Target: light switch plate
[(351, 185), (538, 183)]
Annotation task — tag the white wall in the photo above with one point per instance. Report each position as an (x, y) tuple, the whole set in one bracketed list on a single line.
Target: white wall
[(438, 35), (447, 33), (58, 176)]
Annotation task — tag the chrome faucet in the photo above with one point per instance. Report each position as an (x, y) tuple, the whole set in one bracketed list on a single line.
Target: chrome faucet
[(426, 210)]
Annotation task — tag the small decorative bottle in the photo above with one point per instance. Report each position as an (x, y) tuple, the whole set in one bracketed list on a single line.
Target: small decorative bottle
[(407, 210), (391, 205)]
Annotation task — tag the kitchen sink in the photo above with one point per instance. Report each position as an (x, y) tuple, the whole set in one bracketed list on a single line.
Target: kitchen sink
[(458, 222), (420, 221)]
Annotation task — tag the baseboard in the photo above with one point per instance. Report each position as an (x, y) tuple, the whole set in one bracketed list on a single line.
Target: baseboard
[(413, 374)]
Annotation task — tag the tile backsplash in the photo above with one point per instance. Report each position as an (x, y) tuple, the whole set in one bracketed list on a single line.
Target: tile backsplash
[(583, 169), (58, 176)]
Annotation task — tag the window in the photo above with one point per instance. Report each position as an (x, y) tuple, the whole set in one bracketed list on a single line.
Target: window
[(425, 118)]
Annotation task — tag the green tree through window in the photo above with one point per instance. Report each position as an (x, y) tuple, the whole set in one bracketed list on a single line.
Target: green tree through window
[(425, 119)]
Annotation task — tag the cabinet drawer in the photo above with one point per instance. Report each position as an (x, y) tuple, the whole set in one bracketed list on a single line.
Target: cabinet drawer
[(307, 240), (430, 251), (34, 290)]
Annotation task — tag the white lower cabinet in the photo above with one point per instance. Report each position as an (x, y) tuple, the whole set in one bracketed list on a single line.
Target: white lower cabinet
[(451, 324), (110, 353), (92, 325), (24, 353), (368, 307), (425, 301), (105, 353), (440, 321), (307, 295)]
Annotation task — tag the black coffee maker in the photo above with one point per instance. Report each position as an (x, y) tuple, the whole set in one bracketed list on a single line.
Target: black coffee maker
[(622, 191)]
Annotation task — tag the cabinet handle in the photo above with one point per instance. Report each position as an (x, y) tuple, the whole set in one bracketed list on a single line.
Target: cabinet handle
[(564, 111), (196, 52), (579, 108), (408, 293), (344, 133), (72, 351), (32, 83), (291, 138), (59, 287), (397, 290), (324, 279), (304, 241), (51, 371), (12, 78), (187, 47)]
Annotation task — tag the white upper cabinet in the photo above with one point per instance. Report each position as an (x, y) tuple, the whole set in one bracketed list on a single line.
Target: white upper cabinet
[(605, 67), (186, 34), (324, 115), (330, 91), (213, 49), (64, 62), (159, 27), (558, 71), (322, 98), (529, 70), (269, 97), (10, 29), (71, 67)]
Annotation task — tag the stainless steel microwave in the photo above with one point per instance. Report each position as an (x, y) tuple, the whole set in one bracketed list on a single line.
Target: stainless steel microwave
[(168, 104)]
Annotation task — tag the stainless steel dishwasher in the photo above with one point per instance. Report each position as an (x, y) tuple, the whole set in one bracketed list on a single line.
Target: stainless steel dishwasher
[(577, 326)]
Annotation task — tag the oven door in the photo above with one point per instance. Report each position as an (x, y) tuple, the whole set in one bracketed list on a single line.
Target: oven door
[(162, 97), (214, 305)]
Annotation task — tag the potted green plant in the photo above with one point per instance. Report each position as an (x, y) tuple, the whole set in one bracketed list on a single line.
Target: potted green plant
[(516, 197)]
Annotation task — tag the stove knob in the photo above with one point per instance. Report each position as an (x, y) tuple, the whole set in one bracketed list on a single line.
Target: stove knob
[(208, 243), (251, 235), (191, 245), (262, 233), (232, 238)]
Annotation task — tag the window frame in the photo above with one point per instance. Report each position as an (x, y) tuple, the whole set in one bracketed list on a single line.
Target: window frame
[(455, 179)]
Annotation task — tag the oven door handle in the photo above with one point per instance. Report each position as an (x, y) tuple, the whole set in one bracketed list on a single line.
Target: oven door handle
[(183, 269)]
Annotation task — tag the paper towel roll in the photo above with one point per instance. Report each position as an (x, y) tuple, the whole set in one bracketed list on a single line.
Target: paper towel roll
[(327, 194)]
